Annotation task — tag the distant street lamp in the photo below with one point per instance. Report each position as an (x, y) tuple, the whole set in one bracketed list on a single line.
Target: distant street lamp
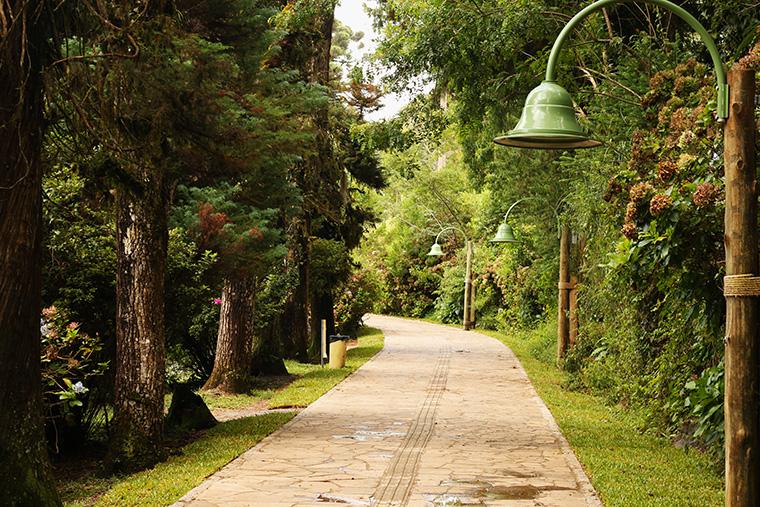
[(469, 303), (548, 121), (566, 309)]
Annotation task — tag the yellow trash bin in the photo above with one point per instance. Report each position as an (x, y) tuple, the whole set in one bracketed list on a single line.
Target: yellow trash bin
[(338, 351)]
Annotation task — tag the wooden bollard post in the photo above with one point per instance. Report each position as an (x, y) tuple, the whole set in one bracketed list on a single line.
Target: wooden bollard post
[(742, 401), (563, 305)]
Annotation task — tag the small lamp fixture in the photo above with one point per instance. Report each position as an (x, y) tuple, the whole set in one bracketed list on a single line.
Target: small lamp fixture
[(505, 234), (435, 250), (548, 122)]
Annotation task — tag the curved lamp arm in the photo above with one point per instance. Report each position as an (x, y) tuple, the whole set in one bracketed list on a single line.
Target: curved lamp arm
[(720, 73), (555, 210), (451, 228)]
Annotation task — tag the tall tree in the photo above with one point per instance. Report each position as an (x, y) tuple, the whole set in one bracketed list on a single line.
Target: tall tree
[(24, 30), (154, 118), (270, 137), (307, 49)]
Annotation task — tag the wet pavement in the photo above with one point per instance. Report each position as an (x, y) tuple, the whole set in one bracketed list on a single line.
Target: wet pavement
[(441, 417)]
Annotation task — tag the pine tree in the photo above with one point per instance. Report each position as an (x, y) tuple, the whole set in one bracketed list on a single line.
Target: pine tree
[(24, 476)]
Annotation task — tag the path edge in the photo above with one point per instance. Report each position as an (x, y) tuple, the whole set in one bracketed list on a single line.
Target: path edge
[(240, 459), (581, 478)]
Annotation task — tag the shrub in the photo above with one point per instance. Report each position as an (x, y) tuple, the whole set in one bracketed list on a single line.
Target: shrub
[(359, 295), (69, 365)]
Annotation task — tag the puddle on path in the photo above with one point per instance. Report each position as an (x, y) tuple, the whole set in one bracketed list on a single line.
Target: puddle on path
[(362, 435), (479, 492), (450, 500), (328, 498)]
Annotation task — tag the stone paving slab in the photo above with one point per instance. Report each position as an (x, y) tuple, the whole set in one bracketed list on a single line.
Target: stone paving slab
[(439, 417)]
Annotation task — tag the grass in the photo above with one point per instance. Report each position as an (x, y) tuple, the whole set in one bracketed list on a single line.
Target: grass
[(627, 467), (168, 481)]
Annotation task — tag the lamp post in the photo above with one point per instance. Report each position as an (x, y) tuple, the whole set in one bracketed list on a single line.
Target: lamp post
[(548, 121), (565, 285), (469, 306)]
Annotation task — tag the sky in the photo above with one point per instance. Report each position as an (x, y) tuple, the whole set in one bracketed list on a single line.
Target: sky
[(352, 13)]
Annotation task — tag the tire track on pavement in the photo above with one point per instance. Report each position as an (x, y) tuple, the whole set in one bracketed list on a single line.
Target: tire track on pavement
[(396, 482)]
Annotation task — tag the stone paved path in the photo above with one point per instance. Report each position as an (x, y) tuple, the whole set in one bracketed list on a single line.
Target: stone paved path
[(439, 417)]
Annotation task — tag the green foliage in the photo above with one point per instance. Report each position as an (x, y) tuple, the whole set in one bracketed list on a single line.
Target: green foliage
[(362, 293), (70, 366), (647, 207), (450, 302), (79, 271), (192, 318)]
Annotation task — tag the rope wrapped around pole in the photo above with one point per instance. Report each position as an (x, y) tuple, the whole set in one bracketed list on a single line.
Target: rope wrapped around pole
[(739, 286)]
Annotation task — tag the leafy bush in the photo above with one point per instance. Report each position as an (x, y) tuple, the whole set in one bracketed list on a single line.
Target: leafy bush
[(70, 364), (359, 295), (192, 317)]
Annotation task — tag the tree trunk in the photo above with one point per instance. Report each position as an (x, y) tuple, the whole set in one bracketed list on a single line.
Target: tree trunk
[(234, 343), (141, 234), (267, 351), (25, 478), (324, 309), (742, 359), (300, 307)]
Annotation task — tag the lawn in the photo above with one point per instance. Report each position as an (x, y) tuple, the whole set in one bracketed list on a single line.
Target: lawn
[(168, 481), (627, 466)]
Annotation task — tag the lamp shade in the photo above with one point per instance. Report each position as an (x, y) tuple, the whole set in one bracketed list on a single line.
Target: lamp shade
[(435, 250), (548, 122), (505, 235)]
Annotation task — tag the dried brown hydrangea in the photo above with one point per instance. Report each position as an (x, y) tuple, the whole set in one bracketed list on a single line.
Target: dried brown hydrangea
[(666, 169), (660, 203), (629, 231), (614, 188), (630, 211), (705, 194), (639, 191)]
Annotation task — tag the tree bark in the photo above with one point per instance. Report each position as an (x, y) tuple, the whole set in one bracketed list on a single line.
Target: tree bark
[(563, 306), (267, 351), (25, 479), (141, 233), (742, 350), (300, 307), (234, 344)]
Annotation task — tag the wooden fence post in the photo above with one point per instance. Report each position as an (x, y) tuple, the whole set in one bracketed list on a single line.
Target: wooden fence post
[(742, 376)]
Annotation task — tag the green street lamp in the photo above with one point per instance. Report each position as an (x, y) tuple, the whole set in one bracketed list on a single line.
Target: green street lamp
[(435, 250), (469, 299), (505, 234), (548, 122)]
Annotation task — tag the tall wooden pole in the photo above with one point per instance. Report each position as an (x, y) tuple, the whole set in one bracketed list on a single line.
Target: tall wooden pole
[(473, 307), (742, 402), (468, 288), (563, 306), (572, 334), (574, 279)]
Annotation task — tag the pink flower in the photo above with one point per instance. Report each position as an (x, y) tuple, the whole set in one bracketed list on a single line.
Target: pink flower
[(73, 325), (216, 301)]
